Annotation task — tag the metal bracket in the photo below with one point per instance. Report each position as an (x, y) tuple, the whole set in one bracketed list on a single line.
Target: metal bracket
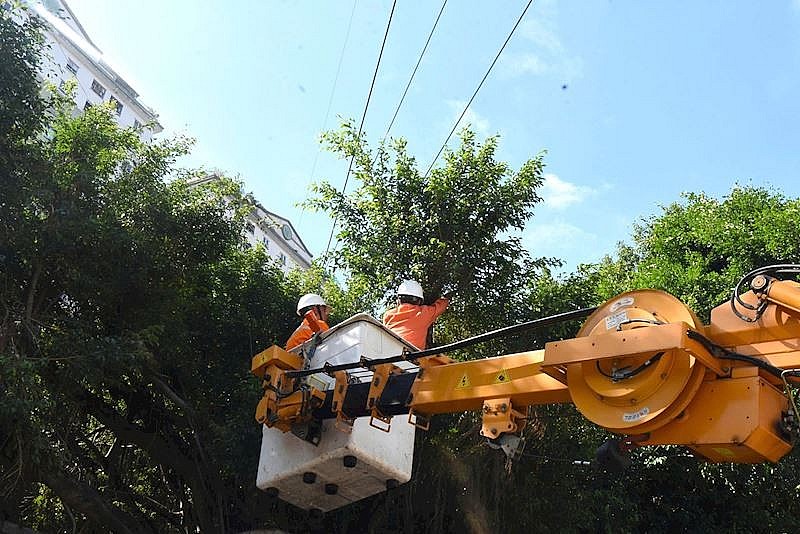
[(421, 421), (343, 421), (383, 419), (380, 377), (499, 417), (432, 361), (511, 444)]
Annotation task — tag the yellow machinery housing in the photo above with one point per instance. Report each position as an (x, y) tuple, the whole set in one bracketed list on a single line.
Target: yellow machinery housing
[(642, 366)]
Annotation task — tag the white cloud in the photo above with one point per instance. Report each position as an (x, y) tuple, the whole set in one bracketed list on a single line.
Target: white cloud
[(558, 239), (527, 64), (560, 194), (480, 124), (535, 30), (545, 54)]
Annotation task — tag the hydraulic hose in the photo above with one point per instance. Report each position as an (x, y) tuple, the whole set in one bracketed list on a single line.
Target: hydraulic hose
[(443, 349)]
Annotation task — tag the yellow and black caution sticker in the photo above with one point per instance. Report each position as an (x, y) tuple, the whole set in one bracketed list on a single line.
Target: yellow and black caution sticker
[(464, 382), (502, 377)]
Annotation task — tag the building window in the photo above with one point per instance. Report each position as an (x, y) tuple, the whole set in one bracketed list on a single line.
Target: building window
[(62, 86), (99, 89), (282, 259), (72, 66), (117, 105), (87, 105), (265, 241), (250, 227), (136, 124)]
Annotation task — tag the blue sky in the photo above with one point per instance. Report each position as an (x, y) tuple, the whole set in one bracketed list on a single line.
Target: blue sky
[(660, 97)]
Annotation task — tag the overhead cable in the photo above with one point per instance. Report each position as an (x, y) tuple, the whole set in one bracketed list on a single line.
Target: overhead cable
[(363, 117), (478, 88), (411, 79), (333, 92)]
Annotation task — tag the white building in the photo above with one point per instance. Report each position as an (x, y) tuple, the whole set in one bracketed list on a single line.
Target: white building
[(273, 232), (277, 235), (74, 56)]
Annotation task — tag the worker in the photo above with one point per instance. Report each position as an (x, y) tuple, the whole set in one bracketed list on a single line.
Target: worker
[(314, 311), (412, 319)]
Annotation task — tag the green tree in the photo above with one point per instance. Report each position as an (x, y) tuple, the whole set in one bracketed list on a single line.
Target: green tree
[(696, 249), (129, 309), (454, 230)]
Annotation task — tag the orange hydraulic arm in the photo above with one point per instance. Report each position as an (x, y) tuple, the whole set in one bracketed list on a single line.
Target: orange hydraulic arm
[(642, 366)]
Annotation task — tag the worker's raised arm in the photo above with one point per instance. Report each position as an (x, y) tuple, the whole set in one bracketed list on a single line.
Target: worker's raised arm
[(436, 309)]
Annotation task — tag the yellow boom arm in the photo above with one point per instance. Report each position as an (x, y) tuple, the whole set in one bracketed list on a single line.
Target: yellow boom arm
[(642, 366)]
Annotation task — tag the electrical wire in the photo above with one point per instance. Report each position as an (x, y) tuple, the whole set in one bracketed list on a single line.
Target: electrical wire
[(624, 373), (479, 87), (464, 343), (411, 79), (363, 117), (330, 98)]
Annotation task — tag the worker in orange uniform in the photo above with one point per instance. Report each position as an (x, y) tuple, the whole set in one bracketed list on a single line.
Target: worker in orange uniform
[(314, 311), (411, 319)]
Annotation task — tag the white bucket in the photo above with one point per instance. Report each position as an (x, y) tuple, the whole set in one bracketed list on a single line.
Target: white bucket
[(311, 476)]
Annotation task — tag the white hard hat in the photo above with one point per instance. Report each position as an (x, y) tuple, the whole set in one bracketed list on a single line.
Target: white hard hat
[(410, 288), (310, 299)]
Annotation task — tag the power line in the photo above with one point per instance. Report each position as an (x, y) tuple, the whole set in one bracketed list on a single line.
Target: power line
[(479, 87), (405, 92), (330, 98), (411, 79), (363, 116)]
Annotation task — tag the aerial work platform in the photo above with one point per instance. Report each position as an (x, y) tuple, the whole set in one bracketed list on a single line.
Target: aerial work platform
[(349, 463)]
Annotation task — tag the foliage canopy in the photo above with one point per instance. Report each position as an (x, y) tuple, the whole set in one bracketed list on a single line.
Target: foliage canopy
[(454, 230)]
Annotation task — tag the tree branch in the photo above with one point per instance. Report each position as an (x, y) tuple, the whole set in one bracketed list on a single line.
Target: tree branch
[(81, 497), (31, 294), (162, 451)]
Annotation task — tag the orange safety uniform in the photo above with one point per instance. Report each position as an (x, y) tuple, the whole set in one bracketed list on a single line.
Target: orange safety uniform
[(310, 326), (411, 322)]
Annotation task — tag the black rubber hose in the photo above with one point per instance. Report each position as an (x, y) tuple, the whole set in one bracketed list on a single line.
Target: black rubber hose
[(443, 349), (721, 352)]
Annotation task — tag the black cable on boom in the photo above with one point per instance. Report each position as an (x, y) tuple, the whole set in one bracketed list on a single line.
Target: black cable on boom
[(719, 351), (464, 343), (736, 295), (363, 117)]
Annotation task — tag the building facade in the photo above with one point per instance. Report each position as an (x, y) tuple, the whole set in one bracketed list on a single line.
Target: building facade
[(277, 235), (72, 55), (273, 232)]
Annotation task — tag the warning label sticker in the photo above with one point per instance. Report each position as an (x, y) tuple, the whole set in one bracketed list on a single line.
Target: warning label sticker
[(613, 321), (624, 302), (502, 377), (635, 416), (464, 382)]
